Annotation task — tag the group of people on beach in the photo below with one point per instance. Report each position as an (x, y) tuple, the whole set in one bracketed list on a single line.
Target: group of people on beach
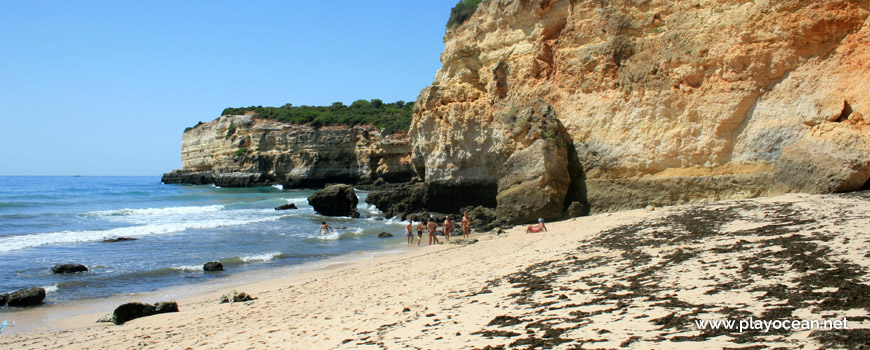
[(432, 227)]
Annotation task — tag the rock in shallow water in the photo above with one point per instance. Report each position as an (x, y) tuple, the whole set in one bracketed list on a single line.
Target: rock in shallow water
[(335, 200), (26, 297), (69, 268), (286, 207), (118, 239), (212, 266), (385, 235)]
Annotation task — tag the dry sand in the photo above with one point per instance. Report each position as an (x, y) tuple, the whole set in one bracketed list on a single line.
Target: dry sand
[(634, 279)]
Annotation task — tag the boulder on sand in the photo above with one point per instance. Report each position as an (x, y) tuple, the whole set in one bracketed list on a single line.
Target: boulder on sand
[(335, 200), (212, 266), (236, 297), (69, 268), (130, 311), (26, 297)]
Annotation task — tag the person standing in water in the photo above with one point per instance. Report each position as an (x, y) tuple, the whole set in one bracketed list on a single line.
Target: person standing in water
[(466, 226), (448, 227), (409, 232), (432, 226), (325, 228), (419, 232)]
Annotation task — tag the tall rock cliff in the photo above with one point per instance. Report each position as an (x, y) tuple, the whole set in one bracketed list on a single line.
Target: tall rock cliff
[(241, 150), (543, 103)]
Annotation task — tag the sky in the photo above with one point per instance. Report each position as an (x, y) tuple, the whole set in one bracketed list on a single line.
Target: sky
[(107, 87)]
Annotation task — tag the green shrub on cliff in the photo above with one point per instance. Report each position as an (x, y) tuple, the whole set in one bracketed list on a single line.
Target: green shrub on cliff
[(462, 12), (388, 116)]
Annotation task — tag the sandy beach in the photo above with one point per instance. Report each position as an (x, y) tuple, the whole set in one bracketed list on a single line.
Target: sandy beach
[(632, 279)]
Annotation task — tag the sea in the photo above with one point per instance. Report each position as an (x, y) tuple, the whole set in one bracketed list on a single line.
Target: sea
[(49, 220)]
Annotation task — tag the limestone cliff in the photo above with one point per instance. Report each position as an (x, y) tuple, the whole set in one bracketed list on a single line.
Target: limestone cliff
[(241, 150), (647, 102)]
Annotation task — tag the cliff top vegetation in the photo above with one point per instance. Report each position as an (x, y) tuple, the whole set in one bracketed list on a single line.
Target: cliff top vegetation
[(462, 12), (390, 117)]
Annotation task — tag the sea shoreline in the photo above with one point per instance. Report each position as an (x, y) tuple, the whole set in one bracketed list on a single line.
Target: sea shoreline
[(83, 313), (637, 278)]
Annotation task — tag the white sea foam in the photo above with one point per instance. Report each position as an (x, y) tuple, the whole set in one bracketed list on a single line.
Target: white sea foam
[(158, 211), (261, 257), (39, 239), (50, 289), (279, 186), (332, 236), (188, 268), (297, 200)]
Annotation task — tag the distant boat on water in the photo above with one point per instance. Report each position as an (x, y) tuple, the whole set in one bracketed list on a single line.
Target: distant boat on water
[(77, 176)]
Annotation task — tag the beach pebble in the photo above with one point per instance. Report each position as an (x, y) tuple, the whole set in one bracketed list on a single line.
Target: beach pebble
[(212, 266), (69, 268)]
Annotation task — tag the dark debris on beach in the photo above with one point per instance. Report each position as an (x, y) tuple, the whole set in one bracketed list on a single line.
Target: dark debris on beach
[(789, 262)]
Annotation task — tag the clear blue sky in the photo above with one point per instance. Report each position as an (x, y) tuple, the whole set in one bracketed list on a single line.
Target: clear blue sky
[(107, 87)]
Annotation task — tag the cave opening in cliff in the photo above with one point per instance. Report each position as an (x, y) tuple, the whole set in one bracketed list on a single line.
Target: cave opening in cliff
[(866, 186)]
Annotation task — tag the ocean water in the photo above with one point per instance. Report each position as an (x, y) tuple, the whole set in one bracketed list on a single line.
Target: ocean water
[(46, 221)]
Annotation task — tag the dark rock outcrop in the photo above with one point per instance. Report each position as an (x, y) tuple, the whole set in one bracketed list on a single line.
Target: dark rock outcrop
[(69, 268), (576, 209), (3, 298), (400, 200), (212, 266), (286, 206), (119, 239), (335, 200), (26, 297), (482, 218), (224, 179), (385, 235), (131, 311)]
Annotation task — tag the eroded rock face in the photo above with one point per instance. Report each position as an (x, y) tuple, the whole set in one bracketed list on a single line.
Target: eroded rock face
[(243, 151), (662, 102)]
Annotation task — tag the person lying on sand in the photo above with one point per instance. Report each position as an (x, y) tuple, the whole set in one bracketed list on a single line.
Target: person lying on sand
[(432, 226), (325, 228), (409, 232), (537, 228), (448, 227), (466, 226)]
